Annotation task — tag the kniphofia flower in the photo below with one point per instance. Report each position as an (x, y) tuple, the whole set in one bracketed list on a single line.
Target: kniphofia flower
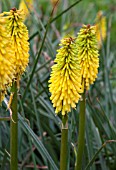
[(19, 35), (7, 67), (100, 23), (65, 80), (88, 55), (26, 5)]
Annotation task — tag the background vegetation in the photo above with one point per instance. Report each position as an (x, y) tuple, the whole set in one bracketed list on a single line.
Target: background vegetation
[(39, 128)]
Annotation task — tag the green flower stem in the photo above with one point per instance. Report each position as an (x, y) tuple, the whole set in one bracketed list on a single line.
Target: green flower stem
[(14, 130), (81, 138), (64, 147)]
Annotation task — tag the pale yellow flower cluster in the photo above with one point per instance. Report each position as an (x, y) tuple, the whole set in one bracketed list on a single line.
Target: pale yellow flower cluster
[(75, 69), (19, 36), (14, 48), (100, 23), (7, 67), (26, 6), (65, 77), (88, 55)]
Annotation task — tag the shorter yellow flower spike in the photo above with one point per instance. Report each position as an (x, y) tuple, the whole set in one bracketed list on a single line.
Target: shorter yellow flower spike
[(19, 35), (26, 5), (100, 23), (7, 67), (88, 55), (65, 80)]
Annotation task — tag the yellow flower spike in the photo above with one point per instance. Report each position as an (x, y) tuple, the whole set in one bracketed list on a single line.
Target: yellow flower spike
[(7, 67), (88, 55), (100, 23), (26, 5), (19, 35), (65, 80)]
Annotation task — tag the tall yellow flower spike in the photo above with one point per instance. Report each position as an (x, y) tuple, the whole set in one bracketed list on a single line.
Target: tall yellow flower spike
[(7, 67), (26, 5), (88, 55), (19, 35), (65, 77), (100, 23)]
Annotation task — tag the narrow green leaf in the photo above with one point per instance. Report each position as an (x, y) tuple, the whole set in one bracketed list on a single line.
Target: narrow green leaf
[(39, 145), (96, 154)]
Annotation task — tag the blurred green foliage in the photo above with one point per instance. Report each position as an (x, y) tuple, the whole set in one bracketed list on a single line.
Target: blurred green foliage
[(39, 128)]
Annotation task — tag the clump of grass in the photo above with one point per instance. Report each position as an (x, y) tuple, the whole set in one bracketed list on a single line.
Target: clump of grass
[(39, 129)]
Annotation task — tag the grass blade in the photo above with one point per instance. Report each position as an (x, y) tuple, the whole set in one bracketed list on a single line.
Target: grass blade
[(37, 142)]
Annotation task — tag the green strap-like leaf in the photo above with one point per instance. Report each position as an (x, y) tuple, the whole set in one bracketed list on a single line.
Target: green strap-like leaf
[(96, 154), (37, 142)]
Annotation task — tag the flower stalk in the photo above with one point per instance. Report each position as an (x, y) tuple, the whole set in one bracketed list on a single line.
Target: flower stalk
[(14, 130), (81, 138), (14, 58), (64, 145), (89, 61)]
